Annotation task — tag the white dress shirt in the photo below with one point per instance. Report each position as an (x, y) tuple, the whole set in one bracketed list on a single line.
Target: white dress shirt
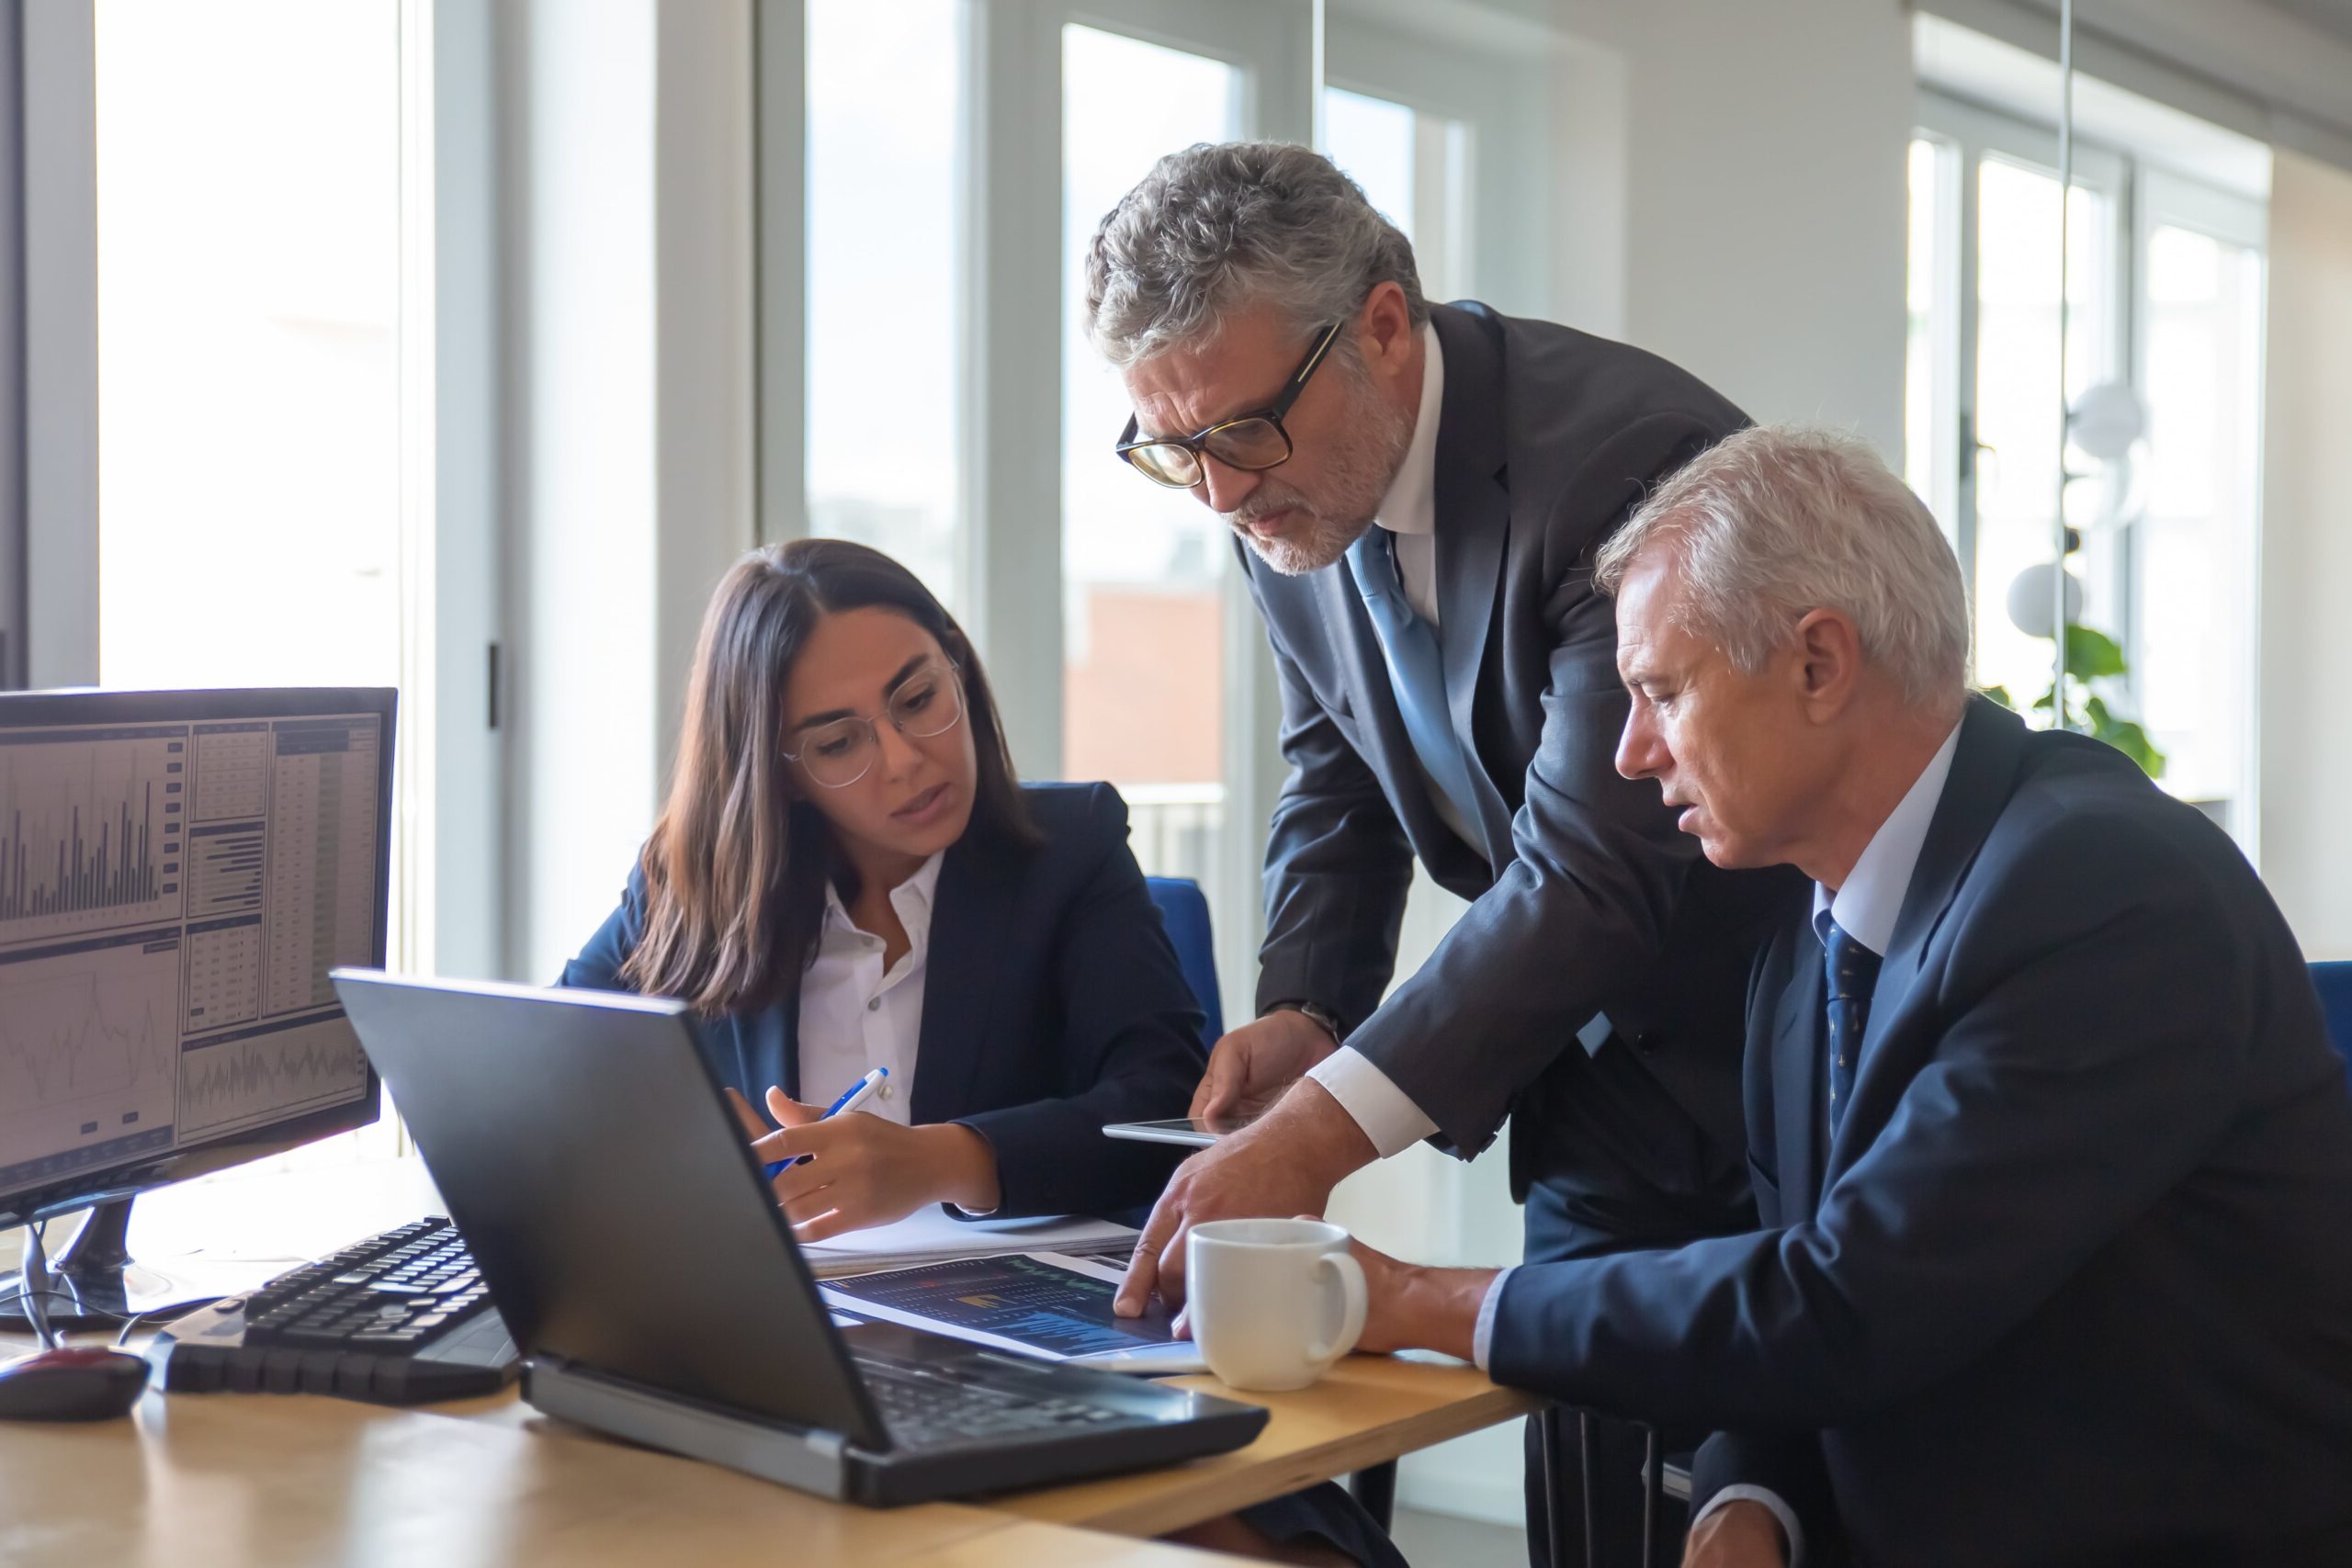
[(1409, 512), (855, 1016), (1866, 908)]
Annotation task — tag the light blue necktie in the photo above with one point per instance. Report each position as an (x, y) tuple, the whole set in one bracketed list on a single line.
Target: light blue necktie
[(1416, 670), (1416, 674), (1853, 972)]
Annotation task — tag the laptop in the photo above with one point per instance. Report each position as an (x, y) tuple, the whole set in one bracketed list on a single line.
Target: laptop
[(616, 1213)]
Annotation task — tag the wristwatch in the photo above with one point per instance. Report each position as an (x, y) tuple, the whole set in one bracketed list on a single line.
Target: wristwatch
[(1321, 1017)]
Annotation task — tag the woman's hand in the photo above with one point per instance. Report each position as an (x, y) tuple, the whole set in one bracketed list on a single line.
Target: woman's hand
[(850, 1172)]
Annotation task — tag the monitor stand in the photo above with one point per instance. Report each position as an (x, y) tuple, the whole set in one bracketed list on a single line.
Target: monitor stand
[(93, 1284)]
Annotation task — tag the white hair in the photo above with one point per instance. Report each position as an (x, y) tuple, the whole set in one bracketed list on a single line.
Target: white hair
[(1777, 521), (1219, 228)]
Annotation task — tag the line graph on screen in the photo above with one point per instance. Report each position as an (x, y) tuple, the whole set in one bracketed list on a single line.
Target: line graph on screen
[(89, 1045)]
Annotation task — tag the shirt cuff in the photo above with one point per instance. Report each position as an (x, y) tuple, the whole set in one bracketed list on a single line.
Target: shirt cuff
[(1392, 1122), (1482, 1337), (1771, 1500)]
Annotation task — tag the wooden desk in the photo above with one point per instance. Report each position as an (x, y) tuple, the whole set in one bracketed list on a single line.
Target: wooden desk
[(254, 1479), (1369, 1409)]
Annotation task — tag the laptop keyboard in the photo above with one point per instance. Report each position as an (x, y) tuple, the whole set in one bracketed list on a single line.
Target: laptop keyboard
[(926, 1409)]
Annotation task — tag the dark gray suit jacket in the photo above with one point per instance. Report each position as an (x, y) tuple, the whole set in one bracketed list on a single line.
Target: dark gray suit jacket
[(2072, 1283), (1585, 896)]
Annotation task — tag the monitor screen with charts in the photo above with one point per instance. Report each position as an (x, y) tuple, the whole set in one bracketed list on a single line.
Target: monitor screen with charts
[(178, 872)]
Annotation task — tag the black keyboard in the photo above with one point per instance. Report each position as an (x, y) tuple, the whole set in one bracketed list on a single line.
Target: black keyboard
[(929, 1409), (399, 1318)]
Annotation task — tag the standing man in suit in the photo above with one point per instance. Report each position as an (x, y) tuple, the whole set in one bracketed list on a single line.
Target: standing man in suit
[(2053, 1154), (1417, 492)]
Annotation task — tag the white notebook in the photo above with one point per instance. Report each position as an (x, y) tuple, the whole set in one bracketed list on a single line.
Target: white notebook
[(928, 1235)]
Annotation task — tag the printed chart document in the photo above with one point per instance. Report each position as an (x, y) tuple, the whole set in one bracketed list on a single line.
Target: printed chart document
[(1046, 1304), (931, 1235)]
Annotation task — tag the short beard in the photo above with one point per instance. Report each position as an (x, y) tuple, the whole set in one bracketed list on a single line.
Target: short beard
[(1366, 455)]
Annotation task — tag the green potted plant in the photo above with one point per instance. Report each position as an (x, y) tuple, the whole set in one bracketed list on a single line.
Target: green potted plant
[(2092, 655)]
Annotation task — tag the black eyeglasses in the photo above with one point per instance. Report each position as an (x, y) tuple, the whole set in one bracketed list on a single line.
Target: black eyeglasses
[(1251, 442)]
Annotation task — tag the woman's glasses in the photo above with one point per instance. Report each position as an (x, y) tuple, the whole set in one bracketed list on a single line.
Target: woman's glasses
[(841, 752), (1251, 442)]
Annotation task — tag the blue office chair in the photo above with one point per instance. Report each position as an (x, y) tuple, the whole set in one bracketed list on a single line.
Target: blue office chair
[(2334, 982), (1186, 914)]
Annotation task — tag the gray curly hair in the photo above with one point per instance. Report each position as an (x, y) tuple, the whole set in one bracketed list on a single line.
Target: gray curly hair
[(1776, 521), (1218, 227)]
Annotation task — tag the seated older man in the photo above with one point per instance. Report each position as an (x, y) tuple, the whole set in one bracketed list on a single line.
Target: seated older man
[(2054, 1157)]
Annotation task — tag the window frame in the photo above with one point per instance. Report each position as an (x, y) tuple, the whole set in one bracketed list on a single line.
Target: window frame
[(1500, 99), (59, 61), (13, 410)]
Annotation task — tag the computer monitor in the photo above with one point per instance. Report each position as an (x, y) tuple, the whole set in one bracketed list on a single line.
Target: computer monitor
[(178, 872)]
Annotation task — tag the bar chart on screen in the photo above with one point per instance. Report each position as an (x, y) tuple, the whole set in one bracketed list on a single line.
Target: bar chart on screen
[(90, 830), (89, 1032)]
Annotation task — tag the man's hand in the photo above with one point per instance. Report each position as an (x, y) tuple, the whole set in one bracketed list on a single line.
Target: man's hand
[(1284, 1163), (847, 1173), (1410, 1307), (1252, 1064), (1741, 1534)]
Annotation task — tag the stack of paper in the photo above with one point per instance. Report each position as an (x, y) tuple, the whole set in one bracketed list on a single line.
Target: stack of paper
[(928, 1235)]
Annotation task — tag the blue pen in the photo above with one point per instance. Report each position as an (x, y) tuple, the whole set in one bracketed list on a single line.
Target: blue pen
[(852, 1096)]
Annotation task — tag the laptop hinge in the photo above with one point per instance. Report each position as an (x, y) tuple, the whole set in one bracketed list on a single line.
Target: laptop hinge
[(807, 1459)]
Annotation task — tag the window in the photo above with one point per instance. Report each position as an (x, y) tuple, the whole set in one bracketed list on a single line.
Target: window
[(248, 354), (885, 114), (1143, 568), (251, 471), (2191, 512), (2164, 289), (2016, 403), (1414, 167)]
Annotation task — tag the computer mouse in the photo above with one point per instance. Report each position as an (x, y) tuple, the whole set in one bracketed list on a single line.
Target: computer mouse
[(71, 1384)]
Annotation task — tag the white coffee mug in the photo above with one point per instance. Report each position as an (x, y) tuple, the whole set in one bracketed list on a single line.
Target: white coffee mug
[(1272, 1303)]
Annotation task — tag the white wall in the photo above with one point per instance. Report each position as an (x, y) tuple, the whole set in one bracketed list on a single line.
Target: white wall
[(2306, 648), (1764, 199)]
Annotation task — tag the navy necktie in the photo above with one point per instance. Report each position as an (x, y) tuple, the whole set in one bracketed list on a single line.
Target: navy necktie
[(1852, 971)]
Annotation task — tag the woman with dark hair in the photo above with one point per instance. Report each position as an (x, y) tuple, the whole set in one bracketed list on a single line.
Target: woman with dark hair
[(847, 876)]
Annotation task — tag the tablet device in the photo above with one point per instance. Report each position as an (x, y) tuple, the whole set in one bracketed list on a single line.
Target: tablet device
[(1192, 1131)]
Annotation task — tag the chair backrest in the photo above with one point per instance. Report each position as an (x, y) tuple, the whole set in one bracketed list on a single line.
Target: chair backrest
[(1186, 914), (2334, 982)]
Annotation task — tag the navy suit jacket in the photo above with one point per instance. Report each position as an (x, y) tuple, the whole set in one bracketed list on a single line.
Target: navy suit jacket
[(1052, 1005), (2072, 1283), (1585, 899)]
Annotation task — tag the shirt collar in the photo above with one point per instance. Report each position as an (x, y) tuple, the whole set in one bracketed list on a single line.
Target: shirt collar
[(912, 898), (1410, 505), (1867, 905)]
